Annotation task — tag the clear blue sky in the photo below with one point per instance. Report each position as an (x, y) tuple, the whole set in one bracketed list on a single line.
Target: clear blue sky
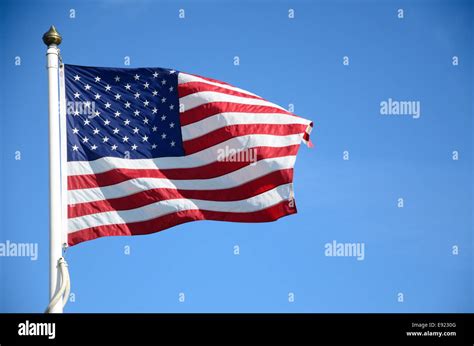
[(300, 61)]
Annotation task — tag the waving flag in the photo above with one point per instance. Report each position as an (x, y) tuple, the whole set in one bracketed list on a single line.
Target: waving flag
[(151, 148)]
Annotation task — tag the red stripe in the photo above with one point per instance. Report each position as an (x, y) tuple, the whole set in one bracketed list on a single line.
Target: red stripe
[(163, 222), (212, 108), (212, 170), (142, 198), (189, 88), (208, 79), (224, 133)]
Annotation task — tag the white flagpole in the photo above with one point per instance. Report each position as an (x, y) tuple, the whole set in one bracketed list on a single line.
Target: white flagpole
[(52, 39)]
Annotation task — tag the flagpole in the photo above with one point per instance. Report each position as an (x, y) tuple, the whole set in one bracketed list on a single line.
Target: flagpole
[(52, 39)]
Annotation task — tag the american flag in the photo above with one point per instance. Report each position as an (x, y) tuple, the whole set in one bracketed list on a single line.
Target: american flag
[(151, 148)]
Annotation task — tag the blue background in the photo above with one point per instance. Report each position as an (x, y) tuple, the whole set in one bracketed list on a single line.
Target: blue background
[(300, 61)]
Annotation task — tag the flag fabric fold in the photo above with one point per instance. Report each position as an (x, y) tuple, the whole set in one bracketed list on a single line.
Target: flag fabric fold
[(151, 148)]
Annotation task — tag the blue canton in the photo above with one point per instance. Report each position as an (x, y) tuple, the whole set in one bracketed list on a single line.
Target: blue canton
[(122, 112)]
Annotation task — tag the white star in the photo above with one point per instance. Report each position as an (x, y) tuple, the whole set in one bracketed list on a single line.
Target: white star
[(76, 113), (145, 121), (153, 146), (146, 85), (117, 79), (171, 89), (97, 96), (172, 71), (155, 93), (107, 122), (114, 147), (76, 95), (134, 147), (85, 140), (125, 139), (163, 117), (137, 77), (118, 96), (171, 107), (155, 74), (87, 104), (171, 125), (105, 139), (107, 105), (163, 135), (137, 112), (145, 138), (108, 87), (87, 86), (75, 147), (97, 79), (163, 100), (75, 131), (154, 110), (126, 122), (137, 95), (172, 143), (116, 130), (127, 104), (87, 122), (146, 103), (96, 113), (94, 147), (96, 131), (76, 77), (154, 129), (163, 81), (135, 130), (127, 86), (117, 114)]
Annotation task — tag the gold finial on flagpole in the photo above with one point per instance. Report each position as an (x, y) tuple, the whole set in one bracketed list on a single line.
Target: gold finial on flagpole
[(52, 37)]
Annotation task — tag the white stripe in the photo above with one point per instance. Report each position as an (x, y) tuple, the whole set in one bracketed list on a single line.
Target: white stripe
[(186, 78), (233, 179), (220, 120), (203, 97), (151, 211), (201, 158)]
